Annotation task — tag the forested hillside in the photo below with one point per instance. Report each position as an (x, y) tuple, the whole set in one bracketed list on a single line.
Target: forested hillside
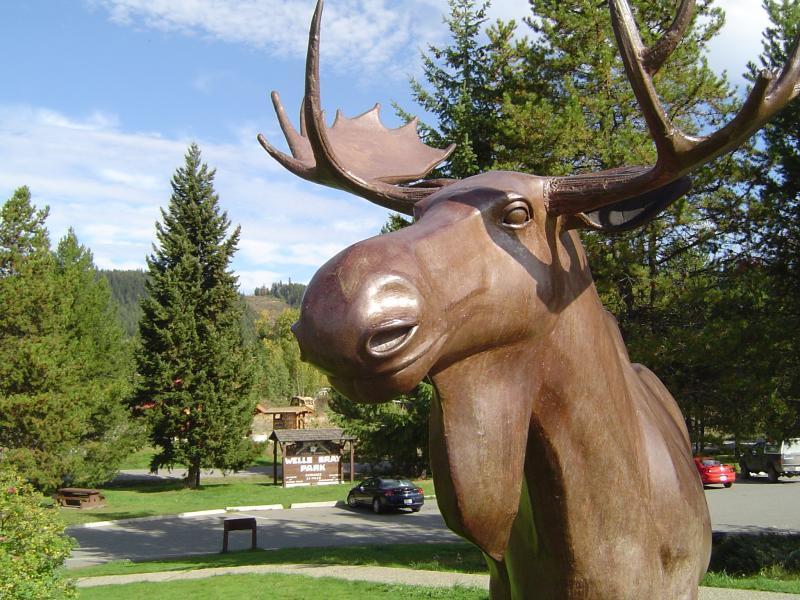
[(127, 290), (291, 293)]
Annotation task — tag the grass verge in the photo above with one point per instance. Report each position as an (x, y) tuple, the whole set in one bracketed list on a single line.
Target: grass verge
[(461, 557), (145, 499), (282, 587)]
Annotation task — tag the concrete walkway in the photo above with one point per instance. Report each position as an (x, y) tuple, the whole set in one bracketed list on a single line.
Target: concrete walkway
[(390, 575)]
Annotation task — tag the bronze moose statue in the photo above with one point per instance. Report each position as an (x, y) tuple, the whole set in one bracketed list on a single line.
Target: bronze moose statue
[(489, 295)]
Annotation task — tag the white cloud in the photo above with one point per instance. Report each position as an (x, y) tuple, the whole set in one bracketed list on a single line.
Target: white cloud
[(108, 184), (375, 36), (360, 35)]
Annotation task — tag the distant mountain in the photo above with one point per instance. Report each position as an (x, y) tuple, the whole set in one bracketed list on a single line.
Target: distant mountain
[(127, 290)]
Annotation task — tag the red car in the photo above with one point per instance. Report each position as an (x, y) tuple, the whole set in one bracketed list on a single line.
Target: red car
[(712, 471)]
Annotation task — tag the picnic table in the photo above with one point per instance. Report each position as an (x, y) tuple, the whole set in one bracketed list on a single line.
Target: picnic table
[(79, 498)]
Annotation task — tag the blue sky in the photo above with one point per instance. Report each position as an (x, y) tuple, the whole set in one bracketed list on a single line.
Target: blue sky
[(100, 98)]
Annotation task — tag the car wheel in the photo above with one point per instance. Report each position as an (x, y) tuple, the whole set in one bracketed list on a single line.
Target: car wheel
[(727, 485), (745, 472), (351, 501), (772, 474), (376, 506)]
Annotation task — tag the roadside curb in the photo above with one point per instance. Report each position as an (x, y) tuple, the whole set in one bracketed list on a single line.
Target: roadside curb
[(216, 512), (256, 507), (327, 504)]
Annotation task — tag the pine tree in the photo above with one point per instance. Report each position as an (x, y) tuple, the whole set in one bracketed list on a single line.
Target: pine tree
[(465, 85), (64, 371), (777, 215), (195, 371), (101, 363)]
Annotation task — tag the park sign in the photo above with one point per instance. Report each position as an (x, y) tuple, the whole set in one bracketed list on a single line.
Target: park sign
[(311, 456)]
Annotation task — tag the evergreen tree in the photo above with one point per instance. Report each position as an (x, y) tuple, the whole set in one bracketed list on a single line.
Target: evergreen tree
[(395, 431), (465, 85), (194, 368), (101, 362), (64, 370), (777, 215)]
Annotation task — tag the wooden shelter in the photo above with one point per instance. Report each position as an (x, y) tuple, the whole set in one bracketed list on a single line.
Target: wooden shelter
[(286, 417), (311, 456)]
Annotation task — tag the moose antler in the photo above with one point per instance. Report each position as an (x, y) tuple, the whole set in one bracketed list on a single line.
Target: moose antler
[(678, 153), (357, 155)]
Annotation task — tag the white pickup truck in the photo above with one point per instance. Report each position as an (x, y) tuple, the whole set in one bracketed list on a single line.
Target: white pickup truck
[(781, 459)]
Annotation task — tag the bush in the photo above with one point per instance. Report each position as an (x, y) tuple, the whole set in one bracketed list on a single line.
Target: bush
[(33, 546), (793, 561), (742, 554)]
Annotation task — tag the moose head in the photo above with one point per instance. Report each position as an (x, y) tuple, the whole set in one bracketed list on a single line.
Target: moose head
[(489, 294)]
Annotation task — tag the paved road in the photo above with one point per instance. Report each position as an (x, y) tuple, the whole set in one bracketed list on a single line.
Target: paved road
[(755, 505), (747, 506), (300, 527)]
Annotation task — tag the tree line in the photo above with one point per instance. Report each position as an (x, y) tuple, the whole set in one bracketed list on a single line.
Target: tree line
[(291, 293)]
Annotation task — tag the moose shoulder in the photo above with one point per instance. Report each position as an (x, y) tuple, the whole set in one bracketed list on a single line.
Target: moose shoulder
[(489, 294)]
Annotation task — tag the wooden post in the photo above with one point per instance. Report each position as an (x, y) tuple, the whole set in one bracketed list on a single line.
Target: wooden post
[(275, 462), (283, 464), (341, 468), (352, 463)]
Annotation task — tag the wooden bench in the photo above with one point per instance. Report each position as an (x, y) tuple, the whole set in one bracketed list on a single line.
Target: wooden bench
[(80, 498), (239, 524)]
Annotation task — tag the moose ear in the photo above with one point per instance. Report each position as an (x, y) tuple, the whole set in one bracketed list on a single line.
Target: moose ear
[(631, 213)]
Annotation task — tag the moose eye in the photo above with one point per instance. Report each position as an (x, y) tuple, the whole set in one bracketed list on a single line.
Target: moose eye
[(517, 215)]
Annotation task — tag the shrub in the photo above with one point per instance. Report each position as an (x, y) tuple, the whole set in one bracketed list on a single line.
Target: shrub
[(743, 554), (793, 560), (33, 546)]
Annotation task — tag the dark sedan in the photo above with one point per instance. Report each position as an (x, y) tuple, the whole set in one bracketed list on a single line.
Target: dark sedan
[(383, 493)]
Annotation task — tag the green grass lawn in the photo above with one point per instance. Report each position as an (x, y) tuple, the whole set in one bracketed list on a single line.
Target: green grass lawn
[(771, 580), (130, 500), (282, 587)]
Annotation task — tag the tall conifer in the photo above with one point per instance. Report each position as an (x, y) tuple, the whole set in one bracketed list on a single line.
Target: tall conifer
[(194, 370), (64, 370)]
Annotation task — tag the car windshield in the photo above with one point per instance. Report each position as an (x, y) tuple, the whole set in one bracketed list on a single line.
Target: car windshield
[(708, 462), (393, 483)]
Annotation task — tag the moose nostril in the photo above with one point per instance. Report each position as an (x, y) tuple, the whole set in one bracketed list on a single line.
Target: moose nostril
[(390, 340)]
